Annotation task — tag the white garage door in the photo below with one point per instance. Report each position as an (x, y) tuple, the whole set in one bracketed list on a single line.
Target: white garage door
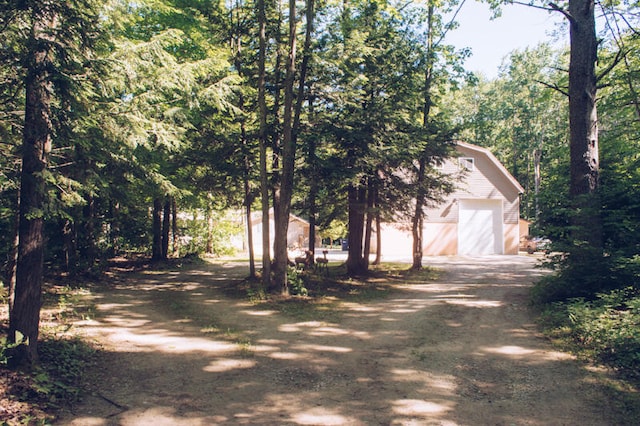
[(480, 227)]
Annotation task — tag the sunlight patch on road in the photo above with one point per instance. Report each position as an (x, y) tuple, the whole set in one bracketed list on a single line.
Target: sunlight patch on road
[(87, 421), (264, 348), (476, 303), (162, 416), (319, 328), (444, 383), (151, 341), (285, 355), (321, 416), (224, 365), (510, 350), (323, 348), (518, 352), (264, 313), (417, 407), (127, 322)]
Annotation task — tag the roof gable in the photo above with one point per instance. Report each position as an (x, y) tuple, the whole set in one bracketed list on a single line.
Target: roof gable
[(494, 162)]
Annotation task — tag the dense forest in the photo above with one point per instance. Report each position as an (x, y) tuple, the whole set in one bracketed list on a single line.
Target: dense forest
[(136, 126)]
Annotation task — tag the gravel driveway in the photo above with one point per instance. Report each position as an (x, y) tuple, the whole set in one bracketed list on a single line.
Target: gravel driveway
[(460, 350)]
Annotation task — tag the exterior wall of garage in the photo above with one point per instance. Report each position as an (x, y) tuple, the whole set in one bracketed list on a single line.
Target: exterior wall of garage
[(486, 180)]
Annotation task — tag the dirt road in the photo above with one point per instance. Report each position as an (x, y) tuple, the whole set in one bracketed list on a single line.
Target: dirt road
[(461, 350)]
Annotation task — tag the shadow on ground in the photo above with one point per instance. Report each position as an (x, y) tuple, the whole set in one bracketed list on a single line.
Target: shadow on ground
[(459, 350)]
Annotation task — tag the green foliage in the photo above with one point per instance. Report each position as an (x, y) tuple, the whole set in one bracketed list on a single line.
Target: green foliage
[(59, 380), (584, 272), (606, 329), (296, 282), (64, 362), (213, 235)]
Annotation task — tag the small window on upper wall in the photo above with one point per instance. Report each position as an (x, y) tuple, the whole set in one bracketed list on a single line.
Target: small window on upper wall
[(466, 163)]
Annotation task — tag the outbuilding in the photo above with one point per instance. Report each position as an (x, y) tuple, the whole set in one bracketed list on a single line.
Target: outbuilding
[(481, 217)]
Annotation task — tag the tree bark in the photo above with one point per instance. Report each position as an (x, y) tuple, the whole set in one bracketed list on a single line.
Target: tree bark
[(13, 258), (174, 226), (69, 245), (166, 227), (313, 193), (37, 140), (248, 198), (156, 248), (417, 228), (417, 224), (583, 124), (356, 264), (88, 246), (288, 162), (370, 214), (378, 258), (262, 137)]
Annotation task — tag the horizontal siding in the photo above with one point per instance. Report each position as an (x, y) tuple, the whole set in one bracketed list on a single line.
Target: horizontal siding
[(440, 239), (486, 181), (511, 238)]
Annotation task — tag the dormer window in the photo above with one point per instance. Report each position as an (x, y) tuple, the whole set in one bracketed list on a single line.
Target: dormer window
[(466, 163)]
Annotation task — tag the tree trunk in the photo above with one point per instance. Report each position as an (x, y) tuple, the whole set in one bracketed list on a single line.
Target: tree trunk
[(236, 46), (313, 192), (583, 124), (378, 258), (13, 258), (209, 219), (248, 201), (252, 260), (313, 189), (369, 220), (174, 226), (88, 247), (69, 246), (288, 162), (276, 131), (114, 231), (537, 157), (37, 139), (356, 264), (417, 224), (166, 227), (417, 228), (156, 249), (262, 137)]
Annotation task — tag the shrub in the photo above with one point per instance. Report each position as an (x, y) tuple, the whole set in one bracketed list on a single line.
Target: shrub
[(585, 274), (604, 330), (296, 283), (609, 328)]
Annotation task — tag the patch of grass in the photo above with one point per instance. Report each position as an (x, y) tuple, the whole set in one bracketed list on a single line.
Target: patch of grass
[(366, 293), (210, 329), (65, 304), (245, 348), (325, 292), (323, 309)]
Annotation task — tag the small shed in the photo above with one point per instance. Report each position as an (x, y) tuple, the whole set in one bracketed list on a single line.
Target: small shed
[(297, 233)]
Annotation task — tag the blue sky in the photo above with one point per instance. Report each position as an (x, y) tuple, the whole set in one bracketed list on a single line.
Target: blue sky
[(492, 40)]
